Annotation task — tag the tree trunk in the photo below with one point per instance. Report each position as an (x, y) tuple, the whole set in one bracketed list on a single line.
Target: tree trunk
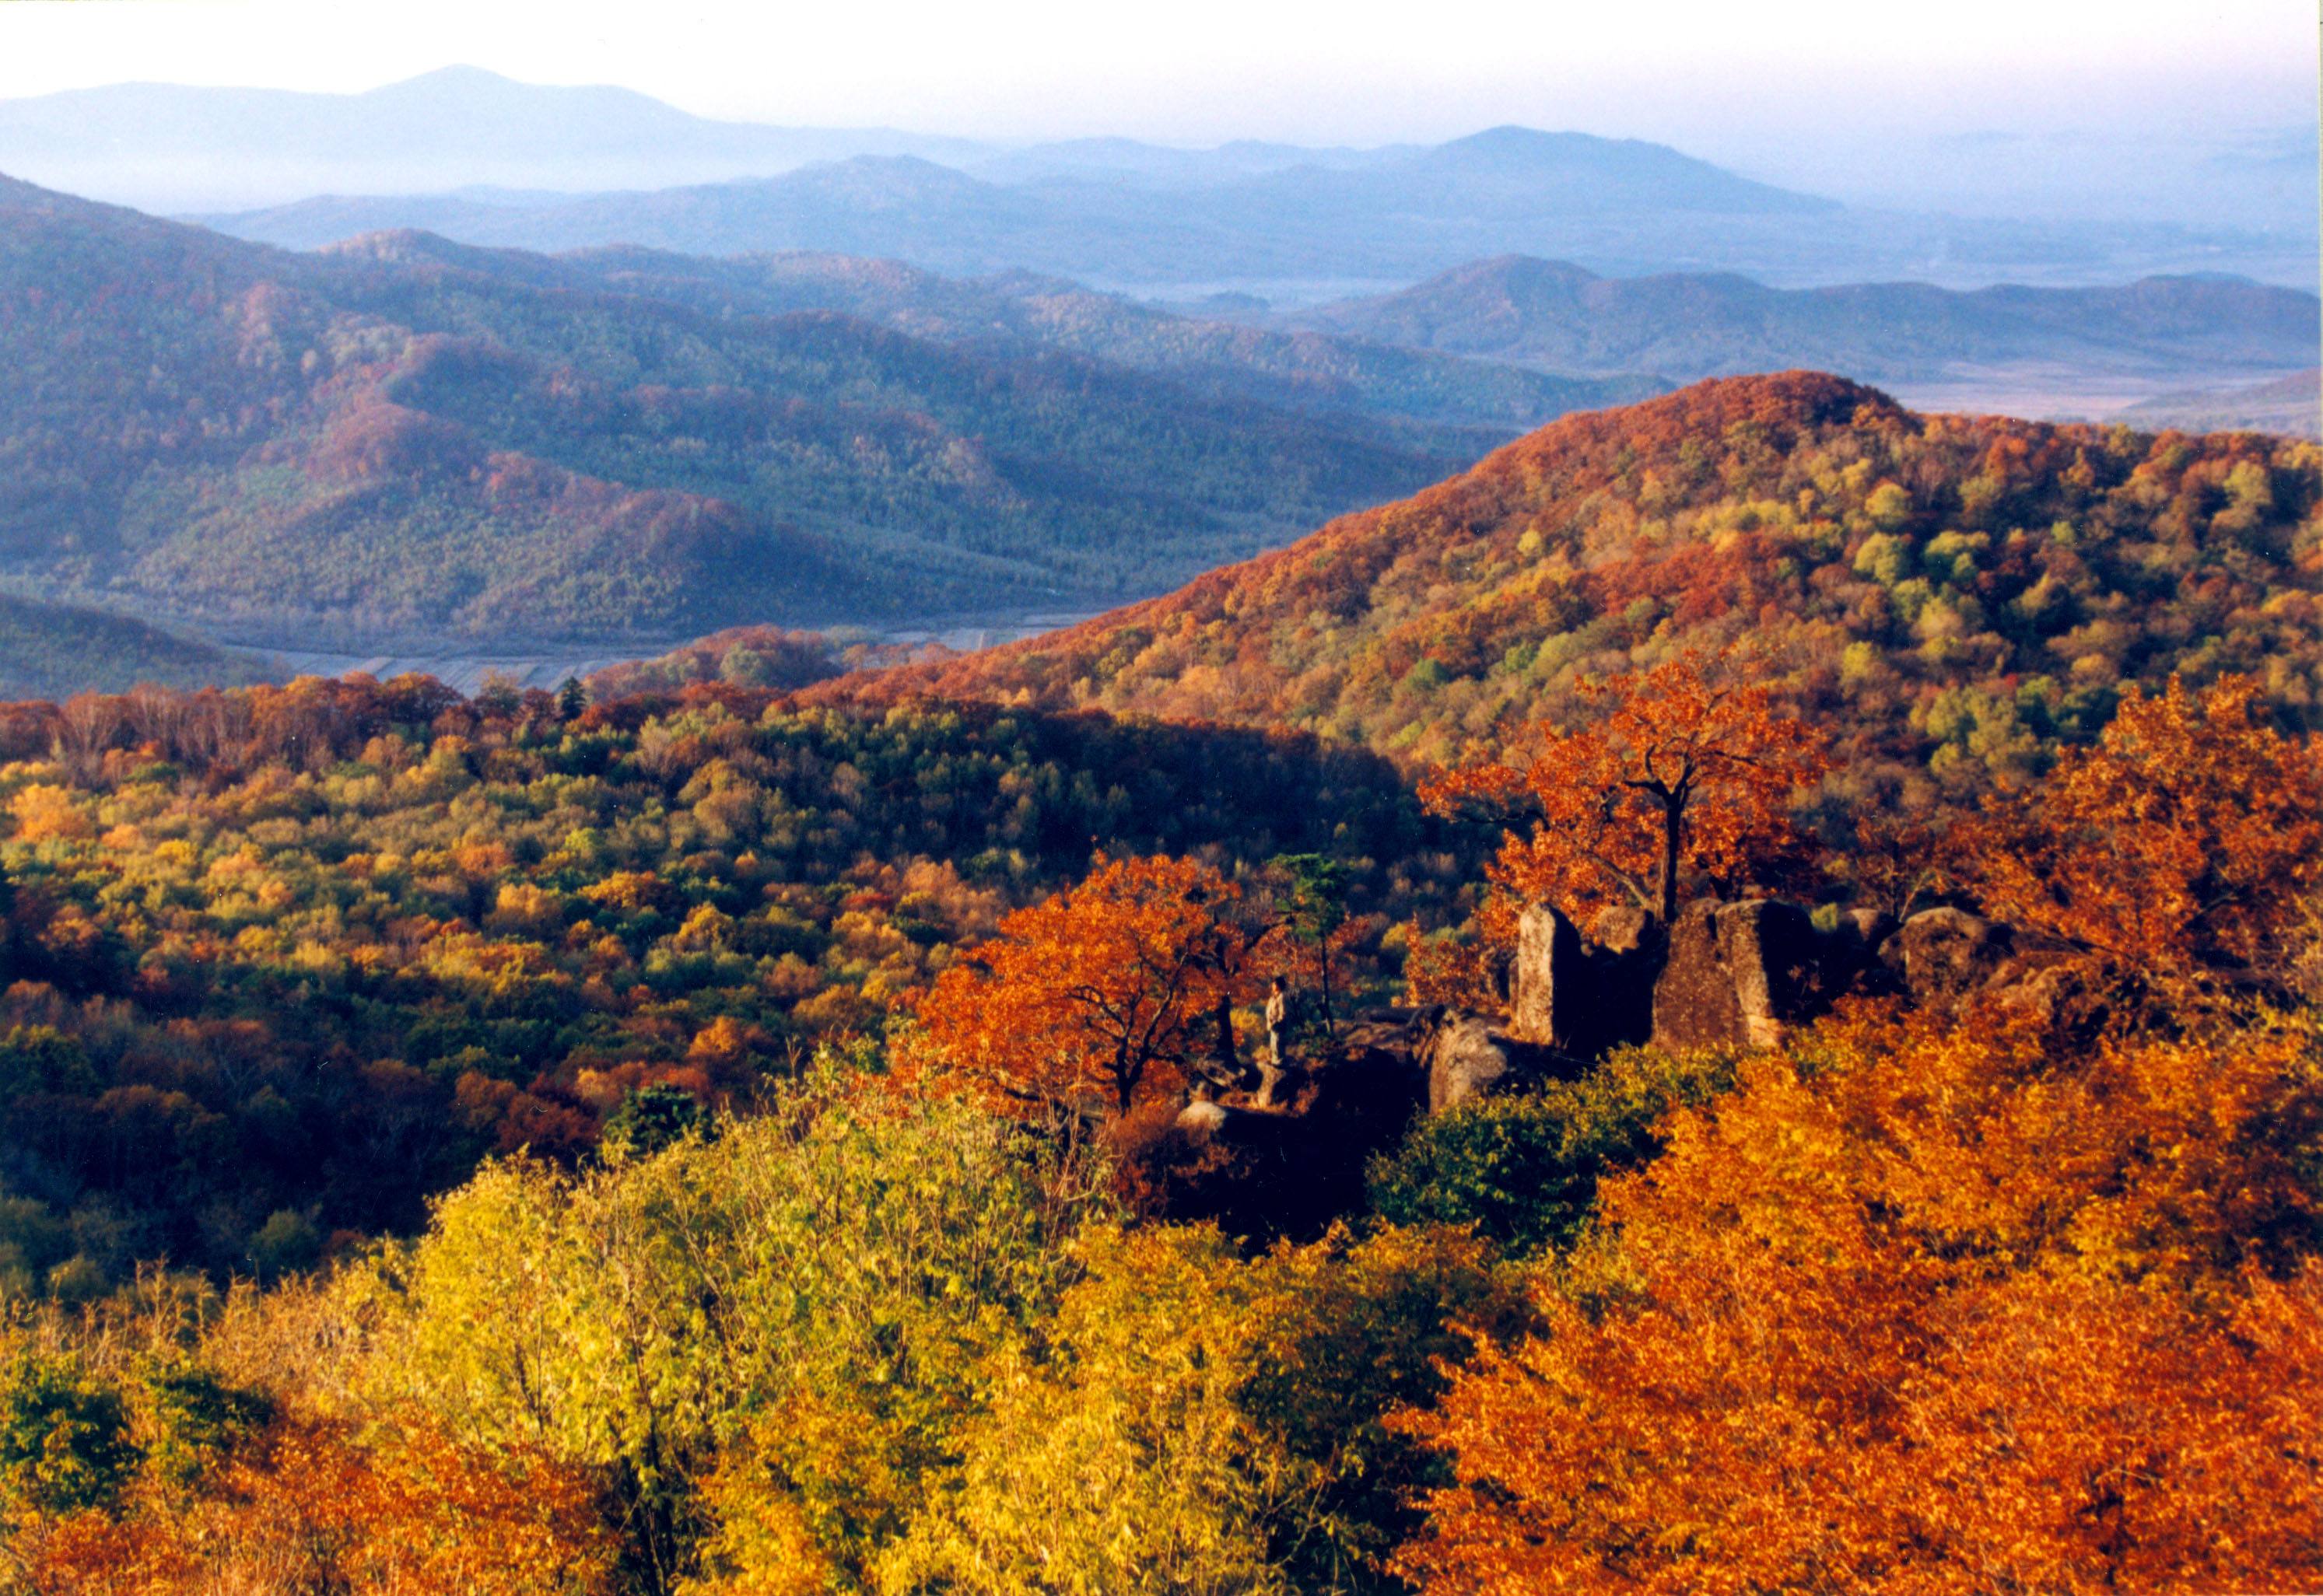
[(1672, 816), (1323, 983), (1229, 1061)]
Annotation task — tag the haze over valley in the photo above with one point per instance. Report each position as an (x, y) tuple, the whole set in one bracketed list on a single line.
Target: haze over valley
[(581, 368)]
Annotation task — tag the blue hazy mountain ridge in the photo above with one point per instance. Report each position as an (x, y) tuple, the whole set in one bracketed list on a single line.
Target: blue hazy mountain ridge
[(1559, 317), (2292, 405), (406, 437), (176, 147), (1130, 159), (486, 159), (856, 206), (1616, 207)]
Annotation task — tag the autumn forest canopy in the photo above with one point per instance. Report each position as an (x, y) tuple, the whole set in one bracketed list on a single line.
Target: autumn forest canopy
[(1725, 1000)]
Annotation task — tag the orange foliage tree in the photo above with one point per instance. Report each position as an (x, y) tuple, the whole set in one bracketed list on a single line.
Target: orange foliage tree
[(1682, 774), (1107, 990), (303, 1508), (2178, 847), (1928, 1312)]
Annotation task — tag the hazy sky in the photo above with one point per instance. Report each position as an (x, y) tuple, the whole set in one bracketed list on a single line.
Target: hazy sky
[(1709, 74)]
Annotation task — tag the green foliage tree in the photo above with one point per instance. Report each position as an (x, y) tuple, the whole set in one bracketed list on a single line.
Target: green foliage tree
[(1523, 1171), (287, 1242), (194, 1419), (652, 1118), (1313, 901), (64, 1436)]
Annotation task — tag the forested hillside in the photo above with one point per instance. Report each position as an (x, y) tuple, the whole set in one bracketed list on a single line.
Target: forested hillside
[(55, 651), (302, 954), (1297, 371), (1953, 593), (1556, 315), (402, 439)]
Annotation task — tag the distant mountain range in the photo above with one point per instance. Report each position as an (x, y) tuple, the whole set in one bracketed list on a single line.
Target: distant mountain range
[(406, 437), (2243, 201), (1390, 216), (1556, 316), (487, 161), (173, 147)]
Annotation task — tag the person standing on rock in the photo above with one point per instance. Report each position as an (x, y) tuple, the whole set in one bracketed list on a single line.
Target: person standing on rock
[(1273, 1067)]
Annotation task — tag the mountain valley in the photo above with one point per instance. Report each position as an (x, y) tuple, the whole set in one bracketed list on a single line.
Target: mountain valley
[(403, 437)]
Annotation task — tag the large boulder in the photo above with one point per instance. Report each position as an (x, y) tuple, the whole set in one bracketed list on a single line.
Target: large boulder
[(1941, 955), (1466, 1056), (1548, 981), (1737, 975), (1581, 997)]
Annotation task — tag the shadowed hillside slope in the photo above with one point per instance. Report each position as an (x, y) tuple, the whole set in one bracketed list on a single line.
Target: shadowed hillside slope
[(1962, 592), (56, 650)]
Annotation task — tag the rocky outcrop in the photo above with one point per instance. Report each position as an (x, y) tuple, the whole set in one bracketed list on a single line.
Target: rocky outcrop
[(1941, 955), (1288, 1170), (1582, 997), (1944, 957), (1738, 975), (1466, 1056), (1622, 928), (1548, 981)]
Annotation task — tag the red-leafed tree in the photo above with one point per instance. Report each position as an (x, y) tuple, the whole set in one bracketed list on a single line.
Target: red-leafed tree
[(2177, 850), (1683, 777), (1107, 991)]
